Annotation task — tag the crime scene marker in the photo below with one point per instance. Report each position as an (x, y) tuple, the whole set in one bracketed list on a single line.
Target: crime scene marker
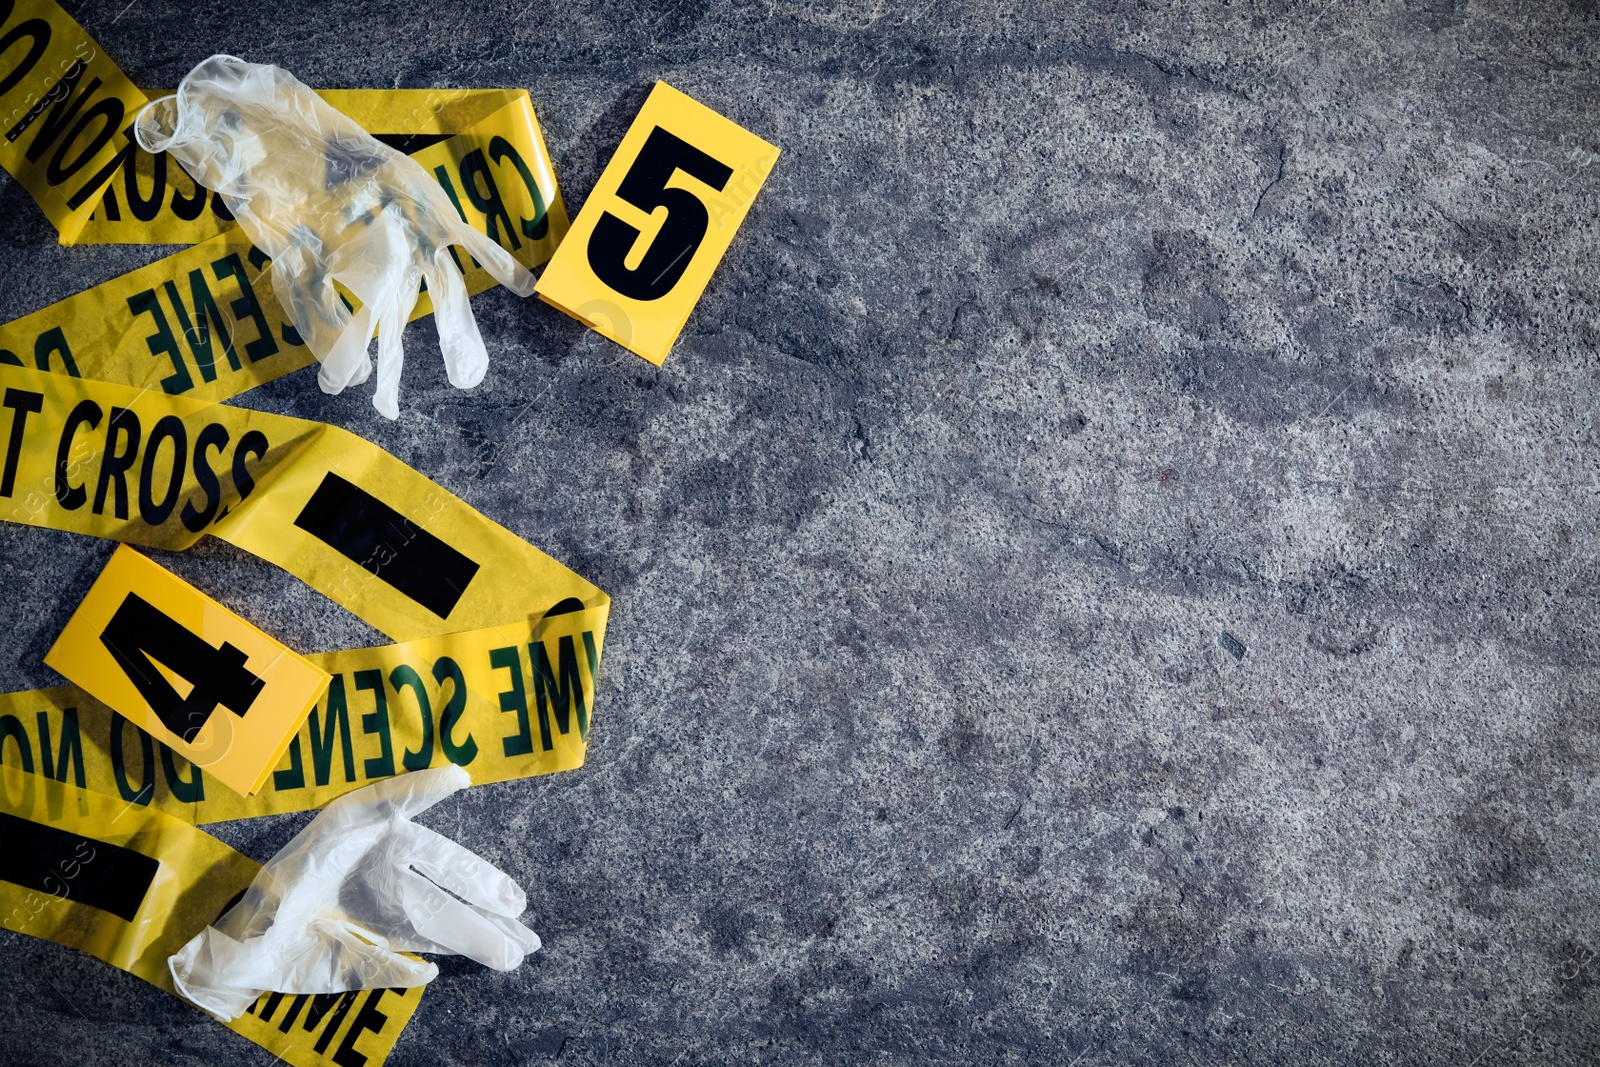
[(658, 222), (192, 674)]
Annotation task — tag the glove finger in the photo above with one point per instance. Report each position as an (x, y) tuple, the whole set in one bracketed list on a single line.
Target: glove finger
[(461, 929), (346, 362), (357, 964), (462, 871), (465, 358), (515, 932), (494, 259), (414, 940), (391, 352), (412, 792)]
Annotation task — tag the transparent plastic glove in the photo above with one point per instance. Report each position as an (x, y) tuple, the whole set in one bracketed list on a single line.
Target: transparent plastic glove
[(332, 910), (330, 203)]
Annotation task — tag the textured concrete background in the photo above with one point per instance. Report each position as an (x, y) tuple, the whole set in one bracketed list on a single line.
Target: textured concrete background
[(1106, 577)]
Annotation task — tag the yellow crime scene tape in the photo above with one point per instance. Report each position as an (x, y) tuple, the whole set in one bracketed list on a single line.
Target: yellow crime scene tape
[(496, 170), (110, 429), (131, 886)]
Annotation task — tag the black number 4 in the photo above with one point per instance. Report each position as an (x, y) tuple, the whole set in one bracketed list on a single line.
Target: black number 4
[(140, 633), (645, 187)]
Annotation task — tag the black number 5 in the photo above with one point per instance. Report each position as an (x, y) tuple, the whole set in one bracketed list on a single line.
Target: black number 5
[(645, 187), (140, 633)]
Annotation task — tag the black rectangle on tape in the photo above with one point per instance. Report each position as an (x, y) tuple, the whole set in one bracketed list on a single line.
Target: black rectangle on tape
[(86, 871), (369, 532)]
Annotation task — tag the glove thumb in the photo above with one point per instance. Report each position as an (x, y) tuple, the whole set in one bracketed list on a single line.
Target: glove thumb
[(358, 963)]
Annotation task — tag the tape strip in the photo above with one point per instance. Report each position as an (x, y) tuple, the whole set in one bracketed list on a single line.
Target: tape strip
[(504, 702), (204, 322), (356, 514), (131, 886), (152, 200), (66, 111), (34, 856), (148, 469)]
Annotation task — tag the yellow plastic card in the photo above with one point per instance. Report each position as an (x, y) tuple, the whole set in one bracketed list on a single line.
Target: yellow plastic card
[(658, 222), (194, 675)]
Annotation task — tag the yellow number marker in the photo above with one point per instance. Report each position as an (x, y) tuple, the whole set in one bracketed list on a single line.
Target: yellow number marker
[(191, 673), (657, 223)]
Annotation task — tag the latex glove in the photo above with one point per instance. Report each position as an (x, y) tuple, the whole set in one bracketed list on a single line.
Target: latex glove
[(332, 910), (328, 202)]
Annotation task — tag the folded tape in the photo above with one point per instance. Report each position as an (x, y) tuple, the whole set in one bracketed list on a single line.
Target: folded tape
[(130, 885), (500, 644), (499, 169)]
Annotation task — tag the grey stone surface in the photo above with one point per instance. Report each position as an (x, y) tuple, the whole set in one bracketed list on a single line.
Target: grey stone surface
[(1106, 577)]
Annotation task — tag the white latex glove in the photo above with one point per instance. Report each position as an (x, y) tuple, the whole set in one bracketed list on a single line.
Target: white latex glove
[(332, 910), (328, 202)]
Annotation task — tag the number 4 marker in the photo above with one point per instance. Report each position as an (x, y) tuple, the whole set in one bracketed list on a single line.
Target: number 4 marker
[(658, 222), (185, 669)]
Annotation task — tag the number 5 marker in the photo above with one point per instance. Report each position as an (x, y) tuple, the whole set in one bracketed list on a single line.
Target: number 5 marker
[(657, 223)]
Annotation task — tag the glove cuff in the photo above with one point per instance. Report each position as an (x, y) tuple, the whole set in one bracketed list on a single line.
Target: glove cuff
[(192, 969)]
